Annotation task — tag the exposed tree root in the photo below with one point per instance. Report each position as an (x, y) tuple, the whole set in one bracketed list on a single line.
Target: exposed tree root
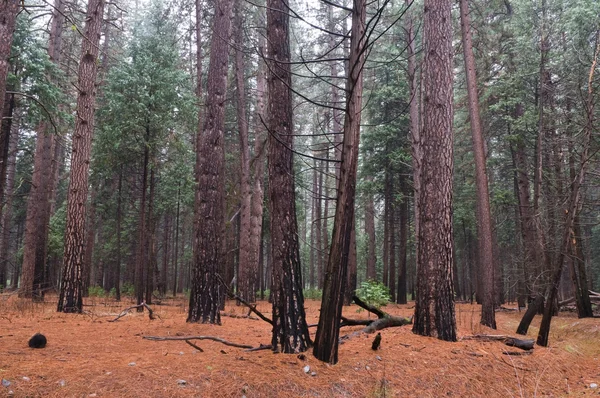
[(151, 314)]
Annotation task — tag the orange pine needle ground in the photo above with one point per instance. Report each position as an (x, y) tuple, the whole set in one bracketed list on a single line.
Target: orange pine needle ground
[(87, 356)]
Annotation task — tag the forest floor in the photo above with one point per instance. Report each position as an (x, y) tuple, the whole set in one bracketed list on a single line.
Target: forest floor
[(87, 356)]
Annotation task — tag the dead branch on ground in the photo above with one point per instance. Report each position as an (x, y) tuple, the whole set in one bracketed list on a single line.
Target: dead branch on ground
[(384, 320), (185, 338), (508, 340), (252, 308), (151, 314)]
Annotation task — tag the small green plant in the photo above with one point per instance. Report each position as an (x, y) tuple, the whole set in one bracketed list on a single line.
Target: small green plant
[(96, 291), (127, 289), (112, 293), (313, 294), (374, 293)]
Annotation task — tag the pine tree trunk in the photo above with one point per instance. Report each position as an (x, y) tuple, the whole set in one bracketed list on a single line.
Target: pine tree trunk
[(370, 232), (70, 298), (434, 306), (8, 17), (484, 218), (326, 340), (6, 225), (246, 274), (403, 241), (209, 225), (290, 331)]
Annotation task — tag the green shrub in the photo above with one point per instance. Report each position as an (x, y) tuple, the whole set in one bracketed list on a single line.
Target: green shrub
[(112, 293), (313, 294), (96, 291), (127, 289), (374, 293)]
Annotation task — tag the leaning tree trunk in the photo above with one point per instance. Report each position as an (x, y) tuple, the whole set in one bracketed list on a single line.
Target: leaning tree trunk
[(290, 331), (70, 298), (209, 224), (574, 206), (326, 340), (484, 218), (434, 305)]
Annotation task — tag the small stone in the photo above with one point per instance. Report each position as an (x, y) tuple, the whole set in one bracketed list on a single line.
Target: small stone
[(5, 383), (368, 367), (108, 373), (306, 369), (62, 383), (131, 364), (25, 378), (11, 392), (593, 385), (181, 382), (180, 352), (378, 358), (92, 395), (313, 373)]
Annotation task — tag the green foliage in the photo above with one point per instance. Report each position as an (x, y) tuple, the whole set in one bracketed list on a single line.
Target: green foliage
[(313, 294), (374, 293), (127, 289), (96, 291), (112, 293)]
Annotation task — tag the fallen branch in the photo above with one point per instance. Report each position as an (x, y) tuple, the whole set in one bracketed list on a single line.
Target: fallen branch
[(384, 320), (517, 353), (252, 308), (260, 348), (240, 316), (194, 345), (142, 305), (185, 338), (509, 341)]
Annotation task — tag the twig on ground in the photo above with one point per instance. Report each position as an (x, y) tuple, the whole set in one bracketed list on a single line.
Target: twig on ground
[(185, 338), (241, 300), (194, 345), (151, 314), (260, 348)]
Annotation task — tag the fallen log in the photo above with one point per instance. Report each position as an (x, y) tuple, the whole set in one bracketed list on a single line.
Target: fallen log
[(508, 340)]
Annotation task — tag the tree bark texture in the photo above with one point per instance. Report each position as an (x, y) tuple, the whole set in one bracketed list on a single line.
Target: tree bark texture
[(6, 225), (434, 306), (290, 331), (484, 218), (70, 298), (8, 18), (326, 340), (209, 223), (370, 232), (246, 273)]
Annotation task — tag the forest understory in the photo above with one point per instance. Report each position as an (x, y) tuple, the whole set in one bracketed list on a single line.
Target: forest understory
[(88, 356)]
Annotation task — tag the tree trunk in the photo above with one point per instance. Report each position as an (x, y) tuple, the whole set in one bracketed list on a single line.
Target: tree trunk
[(209, 225), (246, 274), (574, 206), (434, 306), (70, 298), (256, 215), (8, 17), (403, 241), (290, 331), (326, 340), (117, 266), (370, 232), (6, 225), (484, 218)]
